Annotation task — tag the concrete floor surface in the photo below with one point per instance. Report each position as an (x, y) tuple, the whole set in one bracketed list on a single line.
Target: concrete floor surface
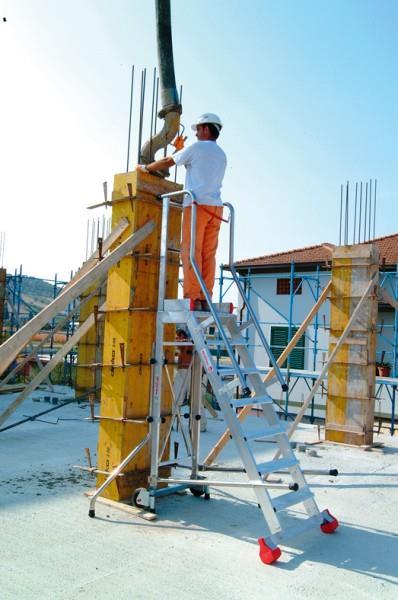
[(50, 549)]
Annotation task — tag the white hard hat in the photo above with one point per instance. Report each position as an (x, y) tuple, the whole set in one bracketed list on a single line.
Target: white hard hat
[(207, 119)]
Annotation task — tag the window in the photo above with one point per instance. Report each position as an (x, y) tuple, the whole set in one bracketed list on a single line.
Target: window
[(279, 341), (283, 285)]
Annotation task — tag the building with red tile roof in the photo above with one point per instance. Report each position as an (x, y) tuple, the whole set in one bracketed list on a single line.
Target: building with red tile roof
[(308, 257)]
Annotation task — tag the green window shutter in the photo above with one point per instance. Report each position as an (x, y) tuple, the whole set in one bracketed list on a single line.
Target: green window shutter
[(279, 341)]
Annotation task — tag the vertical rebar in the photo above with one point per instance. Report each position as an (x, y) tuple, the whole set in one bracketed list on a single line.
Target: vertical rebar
[(92, 236), (346, 215), (374, 211), (355, 212), (179, 133), (19, 296), (365, 213), (360, 215), (341, 211), (142, 104), (87, 236), (370, 208), (130, 113), (156, 105), (152, 110)]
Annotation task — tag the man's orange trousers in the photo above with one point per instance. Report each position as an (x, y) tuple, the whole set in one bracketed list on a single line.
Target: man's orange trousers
[(208, 223)]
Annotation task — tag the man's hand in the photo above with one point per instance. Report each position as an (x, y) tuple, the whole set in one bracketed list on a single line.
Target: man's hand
[(179, 142)]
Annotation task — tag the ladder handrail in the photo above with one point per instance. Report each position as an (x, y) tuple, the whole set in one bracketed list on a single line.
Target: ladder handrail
[(246, 390), (246, 300)]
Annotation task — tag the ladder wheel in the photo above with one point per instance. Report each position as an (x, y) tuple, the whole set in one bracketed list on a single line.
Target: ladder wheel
[(268, 555), (330, 523), (135, 498), (195, 491)]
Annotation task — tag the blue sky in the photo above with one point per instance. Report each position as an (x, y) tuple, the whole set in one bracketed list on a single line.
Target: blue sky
[(307, 91)]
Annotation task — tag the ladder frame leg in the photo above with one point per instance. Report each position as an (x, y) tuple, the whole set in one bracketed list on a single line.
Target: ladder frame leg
[(156, 393), (196, 390)]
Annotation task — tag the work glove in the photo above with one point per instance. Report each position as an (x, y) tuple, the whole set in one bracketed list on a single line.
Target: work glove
[(179, 142)]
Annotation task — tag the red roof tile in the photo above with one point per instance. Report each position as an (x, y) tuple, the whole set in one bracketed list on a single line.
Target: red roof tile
[(387, 245)]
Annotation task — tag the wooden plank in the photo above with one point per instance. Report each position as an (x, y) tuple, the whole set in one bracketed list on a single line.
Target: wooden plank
[(341, 253), (214, 452), (345, 428), (134, 511), (385, 297), (315, 387), (107, 243), (10, 349), (40, 345), (62, 352)]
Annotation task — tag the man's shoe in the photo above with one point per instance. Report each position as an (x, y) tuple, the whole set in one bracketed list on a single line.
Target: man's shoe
[(196, 304)]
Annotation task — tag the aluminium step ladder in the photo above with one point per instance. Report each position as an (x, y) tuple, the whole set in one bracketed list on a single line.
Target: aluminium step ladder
[(272, 428), (245, 376), (219, 328)]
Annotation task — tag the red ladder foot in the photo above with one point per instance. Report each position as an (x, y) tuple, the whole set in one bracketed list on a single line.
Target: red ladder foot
[(330, 523), (268, 555)]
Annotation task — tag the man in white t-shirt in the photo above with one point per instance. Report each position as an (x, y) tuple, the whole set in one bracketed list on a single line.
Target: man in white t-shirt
[(205, 164)]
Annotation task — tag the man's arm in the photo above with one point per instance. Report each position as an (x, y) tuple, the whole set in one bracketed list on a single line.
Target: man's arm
[(158, 165)]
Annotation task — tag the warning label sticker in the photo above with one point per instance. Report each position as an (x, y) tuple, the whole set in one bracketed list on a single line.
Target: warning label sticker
[(206, 360)]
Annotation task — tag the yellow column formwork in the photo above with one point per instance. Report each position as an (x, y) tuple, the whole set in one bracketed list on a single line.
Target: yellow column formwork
[(89, 349), (130, 330), (351, 379)]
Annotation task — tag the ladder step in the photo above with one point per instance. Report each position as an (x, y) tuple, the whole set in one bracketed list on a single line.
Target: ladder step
[(266, 433), (234, 343), (292, 498), (230, 385), (300, 526), (252, 400), (207, 322), (227, 372), (245, 325), (277, 465)]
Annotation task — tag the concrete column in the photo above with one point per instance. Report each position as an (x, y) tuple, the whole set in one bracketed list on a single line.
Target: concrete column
[(130, 330), (351, 379)]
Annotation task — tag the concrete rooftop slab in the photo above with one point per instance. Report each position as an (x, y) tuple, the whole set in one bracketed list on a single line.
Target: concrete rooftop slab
[(50, 549)]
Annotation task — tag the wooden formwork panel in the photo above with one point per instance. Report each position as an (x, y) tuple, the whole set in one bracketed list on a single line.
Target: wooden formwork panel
[(351, 379), (89, 349), (130, 330)]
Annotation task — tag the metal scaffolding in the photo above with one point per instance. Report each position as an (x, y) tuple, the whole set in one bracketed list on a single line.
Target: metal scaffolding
[(315, 282), (17, 312)]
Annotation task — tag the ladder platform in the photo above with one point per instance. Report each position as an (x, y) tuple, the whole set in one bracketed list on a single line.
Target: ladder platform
[(277, 465), (228, 371), (184, 305), (251, 401), (220, 343)]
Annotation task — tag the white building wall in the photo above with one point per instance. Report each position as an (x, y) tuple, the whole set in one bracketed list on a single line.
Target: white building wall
[(274, 309)]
